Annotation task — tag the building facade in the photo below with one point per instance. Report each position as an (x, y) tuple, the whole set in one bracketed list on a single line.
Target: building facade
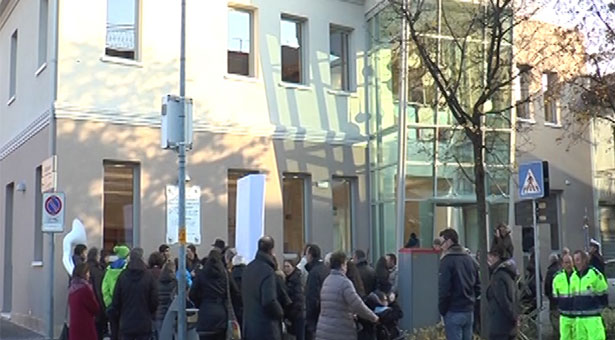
[(278, 89)]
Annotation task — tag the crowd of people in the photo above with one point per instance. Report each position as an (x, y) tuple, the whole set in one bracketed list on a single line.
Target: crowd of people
[(575, 285), (121, 296)]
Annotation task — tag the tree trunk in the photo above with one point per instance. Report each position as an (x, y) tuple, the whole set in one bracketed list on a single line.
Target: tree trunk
[(481, 206)]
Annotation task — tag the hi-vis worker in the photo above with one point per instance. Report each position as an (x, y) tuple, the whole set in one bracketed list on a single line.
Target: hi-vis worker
[(562, 292), (589, 289)]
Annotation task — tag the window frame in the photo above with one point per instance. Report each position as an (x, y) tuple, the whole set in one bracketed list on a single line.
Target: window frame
[(252, 57), (525, 83), (307, 207), (550, 99), (137, 35), (43, 32), (347, 64), (302, 25), (13, 57), (352, 204)]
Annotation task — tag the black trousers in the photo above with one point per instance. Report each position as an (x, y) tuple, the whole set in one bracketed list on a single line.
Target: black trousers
[(136, 337)]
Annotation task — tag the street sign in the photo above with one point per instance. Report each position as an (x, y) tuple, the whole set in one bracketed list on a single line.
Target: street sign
[(53, 212), (533, 180), (193, 215), (49, 174)]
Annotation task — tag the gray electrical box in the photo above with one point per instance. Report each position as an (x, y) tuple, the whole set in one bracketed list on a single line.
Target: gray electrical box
[(418, 287), (171, 125)]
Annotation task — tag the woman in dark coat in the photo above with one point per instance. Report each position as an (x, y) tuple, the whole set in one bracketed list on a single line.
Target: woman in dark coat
[(155, 263), (352, 272), (209, 294), (97, 272), (167, 288), (383, 283), (502, 297), (295, 313), (82, 304)]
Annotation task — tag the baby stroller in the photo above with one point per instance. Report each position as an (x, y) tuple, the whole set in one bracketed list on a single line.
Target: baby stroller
[(389, 313)]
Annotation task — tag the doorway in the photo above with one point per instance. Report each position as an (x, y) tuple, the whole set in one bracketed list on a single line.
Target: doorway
[(7, 300)]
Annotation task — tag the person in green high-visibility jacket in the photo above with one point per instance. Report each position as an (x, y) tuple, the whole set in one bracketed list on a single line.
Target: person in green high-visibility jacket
[(589, 289), (562, 293)]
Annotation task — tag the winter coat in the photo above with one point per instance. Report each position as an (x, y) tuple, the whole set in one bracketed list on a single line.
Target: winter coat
[(503, 301), (339, 303), (262, 313), (191, 265), (155, 270), (167, 288), (236, 275), (368, 276), (294, 287), (83, 310), (110, 279), (135, 299), (552, 270), (96, 277), (317, 273), (208, 293), (458, 282)]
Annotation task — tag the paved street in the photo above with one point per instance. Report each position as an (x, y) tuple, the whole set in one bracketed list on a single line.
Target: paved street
[(10, 331)]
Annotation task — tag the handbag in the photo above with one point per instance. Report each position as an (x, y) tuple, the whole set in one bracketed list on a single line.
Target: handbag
[(233, 330), (64, 334)]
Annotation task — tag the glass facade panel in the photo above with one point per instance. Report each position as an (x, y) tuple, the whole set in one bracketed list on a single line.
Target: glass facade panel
[(342, 213), (439, 160), (118, 204), (293, 194)]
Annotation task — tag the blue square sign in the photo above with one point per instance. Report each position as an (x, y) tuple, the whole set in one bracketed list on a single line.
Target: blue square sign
[(533, 180)]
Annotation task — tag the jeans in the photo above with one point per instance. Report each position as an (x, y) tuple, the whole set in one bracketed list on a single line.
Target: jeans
[(458, 325)]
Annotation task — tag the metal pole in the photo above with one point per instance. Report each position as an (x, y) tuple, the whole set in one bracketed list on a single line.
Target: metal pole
[(182, 327), (50, 332), (537, 273), (401, 134)]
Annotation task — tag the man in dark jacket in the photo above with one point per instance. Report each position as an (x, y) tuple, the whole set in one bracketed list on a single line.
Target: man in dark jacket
[(458, 287), (317, 273), (261, 309), (367, 272), (135, 299), (502, 297), (552, 270)]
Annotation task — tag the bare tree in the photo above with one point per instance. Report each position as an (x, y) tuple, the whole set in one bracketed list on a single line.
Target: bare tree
[(462, 61)]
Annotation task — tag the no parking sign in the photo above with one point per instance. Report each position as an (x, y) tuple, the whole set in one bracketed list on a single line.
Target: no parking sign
[(53, 212)]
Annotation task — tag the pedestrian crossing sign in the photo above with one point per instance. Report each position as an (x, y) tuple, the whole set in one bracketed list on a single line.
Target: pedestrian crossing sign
[(533, 180)]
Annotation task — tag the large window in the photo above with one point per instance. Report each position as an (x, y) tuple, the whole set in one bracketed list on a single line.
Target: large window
[(13, 67), (122, 28), (549, 81), (339, 58), (343, 193), (120, 203), (294, 193), (523, 106), (291, 40), (43, 14), (240, 49), (233, 175)]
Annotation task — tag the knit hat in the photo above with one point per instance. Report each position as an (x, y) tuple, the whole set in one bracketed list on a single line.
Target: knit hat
[(121, 251)]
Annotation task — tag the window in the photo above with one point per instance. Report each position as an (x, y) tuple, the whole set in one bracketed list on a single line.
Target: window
[(294, 190), (343, 193), (38, 218), (13, 67), (339, 58), (122, 28), (523, 106), (549, 83), (233, 175), (291, 38), (120, 203), (240, 49), (43, 14)]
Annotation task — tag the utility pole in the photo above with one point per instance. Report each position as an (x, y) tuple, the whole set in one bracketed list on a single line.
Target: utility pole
[(181, 179), (402, 132)]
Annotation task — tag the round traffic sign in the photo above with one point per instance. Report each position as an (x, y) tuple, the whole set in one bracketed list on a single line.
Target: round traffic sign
[(53, 205)]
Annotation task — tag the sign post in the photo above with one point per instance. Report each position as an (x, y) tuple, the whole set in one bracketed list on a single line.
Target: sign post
[(53, 222), (534, 184)]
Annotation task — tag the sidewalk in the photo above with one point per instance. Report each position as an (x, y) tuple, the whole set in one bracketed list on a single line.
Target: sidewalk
[(10, 331)]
